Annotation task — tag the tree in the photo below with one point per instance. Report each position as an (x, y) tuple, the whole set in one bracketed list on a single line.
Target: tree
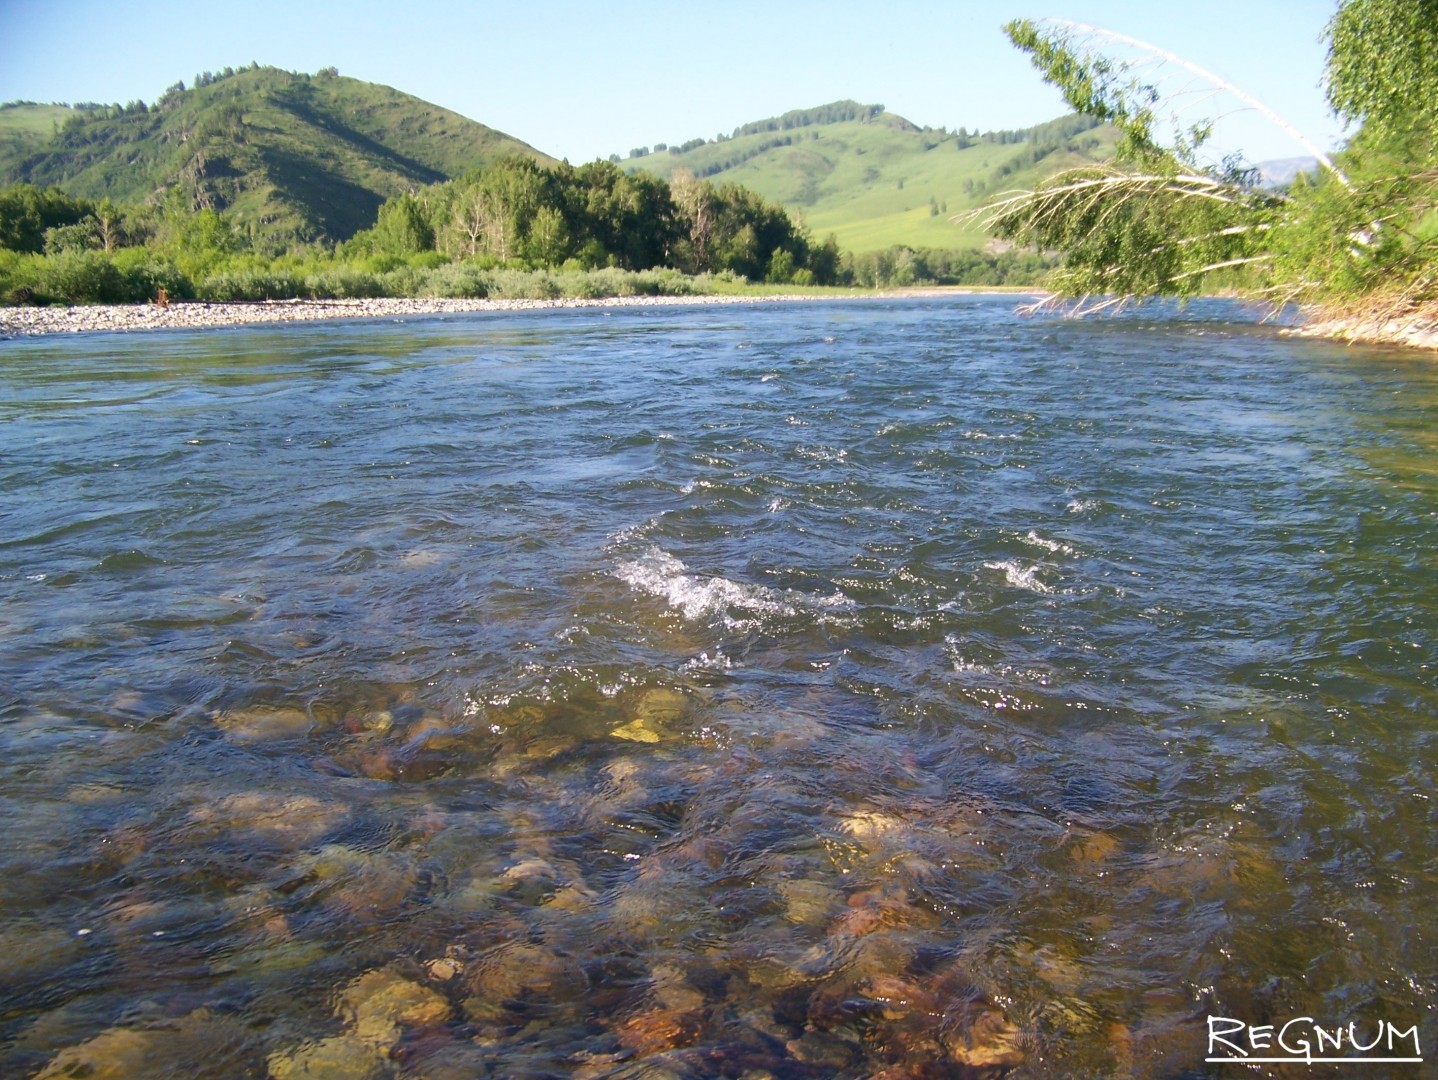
[(27, 212), (1165, 217), (107, 225), (694, 202), (1383, 67)]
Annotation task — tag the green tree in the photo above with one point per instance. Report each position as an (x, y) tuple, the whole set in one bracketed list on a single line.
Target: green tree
[(27, 211), (401, 228), (1163, 220), (1382, 68)]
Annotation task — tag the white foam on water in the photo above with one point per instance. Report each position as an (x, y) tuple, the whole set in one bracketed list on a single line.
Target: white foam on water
[(1082, 506), (705, 662), (822, 453), (1054, 547), (1019, 576), (709, 597), (700, 597), (953, 647)]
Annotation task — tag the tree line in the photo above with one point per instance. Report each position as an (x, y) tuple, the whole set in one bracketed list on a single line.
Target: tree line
[(595, 215), (458, 237)]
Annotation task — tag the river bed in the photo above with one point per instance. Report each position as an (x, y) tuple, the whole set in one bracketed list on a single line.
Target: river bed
[(886, 688)]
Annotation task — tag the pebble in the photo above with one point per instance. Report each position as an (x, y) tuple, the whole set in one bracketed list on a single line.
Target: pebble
[(91, 318)]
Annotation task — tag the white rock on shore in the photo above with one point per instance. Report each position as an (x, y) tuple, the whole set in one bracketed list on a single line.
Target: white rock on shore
[(27, 321)]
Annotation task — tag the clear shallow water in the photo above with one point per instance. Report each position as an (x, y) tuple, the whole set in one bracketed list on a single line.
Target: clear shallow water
[(799, 691)]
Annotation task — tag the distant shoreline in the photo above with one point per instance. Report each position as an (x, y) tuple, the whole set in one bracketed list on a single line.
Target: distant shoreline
[(20, 322), (199, 315)]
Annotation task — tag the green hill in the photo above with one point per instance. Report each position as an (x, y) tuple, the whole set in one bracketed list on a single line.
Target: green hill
[(26, 127), (291, 156), (875, 179)]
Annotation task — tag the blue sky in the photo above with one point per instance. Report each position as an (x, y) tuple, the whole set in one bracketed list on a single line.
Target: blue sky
[(583, 80)]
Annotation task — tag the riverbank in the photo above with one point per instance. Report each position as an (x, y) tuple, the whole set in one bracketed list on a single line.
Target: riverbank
[(1418, 330), (30, 321)]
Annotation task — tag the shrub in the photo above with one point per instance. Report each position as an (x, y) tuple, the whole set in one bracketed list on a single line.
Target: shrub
[(523, 285), (455, 280), (85, 277), (20, 276), (147, 275), (579, 285), (342, 282), (404, 281), (251, 285)]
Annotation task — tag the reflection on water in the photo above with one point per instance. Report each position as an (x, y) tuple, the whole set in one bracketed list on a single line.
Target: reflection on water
[(887, 689)]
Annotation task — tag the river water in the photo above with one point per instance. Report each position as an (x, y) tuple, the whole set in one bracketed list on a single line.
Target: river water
[(839, 689)]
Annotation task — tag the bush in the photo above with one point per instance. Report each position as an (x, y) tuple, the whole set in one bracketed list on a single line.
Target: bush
[(147, 275), (579, 285), (85, 277), (20, 278), (404, 281), (342, 282), (522, 285), (455, 281), (251, 285)]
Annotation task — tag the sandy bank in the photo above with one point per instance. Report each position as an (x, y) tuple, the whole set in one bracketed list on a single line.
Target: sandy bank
[(26, 321)]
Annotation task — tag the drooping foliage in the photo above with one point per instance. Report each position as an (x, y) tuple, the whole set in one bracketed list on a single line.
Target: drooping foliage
[(1156, 220), (1164, 220)]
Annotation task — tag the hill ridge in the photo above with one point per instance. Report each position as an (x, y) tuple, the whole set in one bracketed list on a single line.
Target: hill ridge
[(876, 179), (290, 155)]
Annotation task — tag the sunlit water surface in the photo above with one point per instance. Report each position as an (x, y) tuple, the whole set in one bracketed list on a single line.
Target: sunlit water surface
[(798, 691)]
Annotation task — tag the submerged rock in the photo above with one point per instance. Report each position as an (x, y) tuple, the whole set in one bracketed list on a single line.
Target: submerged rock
[(265, 723), (654, 1030), (114, 1054), (655, 713), (637, 731), (360, 883), (340, 1057), (522, 972), (289, 821), (379, 1004), (661, 706), (199, 1042), (809, 903)]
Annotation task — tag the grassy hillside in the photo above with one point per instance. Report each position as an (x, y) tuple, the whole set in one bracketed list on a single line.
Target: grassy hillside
[(289, 155), (26, 126), (875, 179)]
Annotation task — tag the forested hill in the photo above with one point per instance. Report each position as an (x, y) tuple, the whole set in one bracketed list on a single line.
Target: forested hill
[(288, 156), (875, 179)]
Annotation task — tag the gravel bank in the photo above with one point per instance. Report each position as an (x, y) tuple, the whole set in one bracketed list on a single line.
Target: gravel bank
[(26, 321), (1418, 332)]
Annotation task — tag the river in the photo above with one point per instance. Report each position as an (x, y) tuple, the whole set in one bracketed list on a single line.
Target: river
[(843, 689)]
